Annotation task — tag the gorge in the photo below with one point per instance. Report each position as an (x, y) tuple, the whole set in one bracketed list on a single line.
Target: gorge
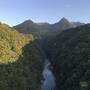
[(51, 59), (49, 80)]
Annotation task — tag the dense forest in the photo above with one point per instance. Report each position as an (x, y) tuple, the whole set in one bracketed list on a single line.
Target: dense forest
[(22, 57), (69, 53), (44, 44), (21, 60)]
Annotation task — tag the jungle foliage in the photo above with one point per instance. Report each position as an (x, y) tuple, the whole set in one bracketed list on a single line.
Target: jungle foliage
[(21, 61), (69, 53)]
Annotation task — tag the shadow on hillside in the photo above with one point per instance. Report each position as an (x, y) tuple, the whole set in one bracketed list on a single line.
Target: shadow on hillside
[(25, 73)]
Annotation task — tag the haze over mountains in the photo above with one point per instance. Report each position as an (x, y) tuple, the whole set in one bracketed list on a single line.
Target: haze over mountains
[(45, 29), (25, 47)]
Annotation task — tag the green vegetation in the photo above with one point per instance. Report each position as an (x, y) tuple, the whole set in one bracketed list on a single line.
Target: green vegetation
[(11, 43), (36, 29), (44, 30), (69, 53), (21, 58), (21, 61)]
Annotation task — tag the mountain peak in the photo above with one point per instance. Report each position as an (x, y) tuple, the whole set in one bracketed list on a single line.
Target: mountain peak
[(28, 21), (63, 24), (64, 20)]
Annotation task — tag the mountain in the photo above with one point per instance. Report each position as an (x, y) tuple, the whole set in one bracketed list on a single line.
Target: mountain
[(63, 24), (69, 54), (77, 23), (37, 29), (44, 29), (22, 57), (21, 61), (29, 26)]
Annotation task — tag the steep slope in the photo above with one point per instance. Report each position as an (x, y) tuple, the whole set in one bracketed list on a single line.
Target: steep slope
[(40, 30), (63, 24), (11, 43), (37, 29), (21, 61), (29, 26), (77, 23), (69, 54)]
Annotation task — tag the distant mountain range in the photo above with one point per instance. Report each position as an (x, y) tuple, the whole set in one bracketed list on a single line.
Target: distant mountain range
[(45, 29), (62, 25)]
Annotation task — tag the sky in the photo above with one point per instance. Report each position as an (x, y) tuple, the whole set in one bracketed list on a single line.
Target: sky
[(14, 12)]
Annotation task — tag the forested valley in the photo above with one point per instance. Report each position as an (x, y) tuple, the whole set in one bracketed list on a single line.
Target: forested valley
[(24, 48)]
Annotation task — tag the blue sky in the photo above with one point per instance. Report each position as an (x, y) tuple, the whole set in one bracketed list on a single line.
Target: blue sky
[(16, 11)]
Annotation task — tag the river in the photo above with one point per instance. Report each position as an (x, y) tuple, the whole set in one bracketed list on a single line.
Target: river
[(49, 81)]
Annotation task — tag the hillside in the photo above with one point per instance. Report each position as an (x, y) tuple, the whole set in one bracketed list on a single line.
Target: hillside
[(29, 26), (76, 24), (69, 53), (63, 24), (21, 61), (37, 29), (40, 30)]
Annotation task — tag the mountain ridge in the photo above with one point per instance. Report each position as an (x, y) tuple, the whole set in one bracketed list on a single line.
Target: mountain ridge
[(31, 24), (44, 29)]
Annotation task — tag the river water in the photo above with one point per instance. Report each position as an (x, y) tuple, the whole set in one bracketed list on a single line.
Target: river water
[(49, 81)]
